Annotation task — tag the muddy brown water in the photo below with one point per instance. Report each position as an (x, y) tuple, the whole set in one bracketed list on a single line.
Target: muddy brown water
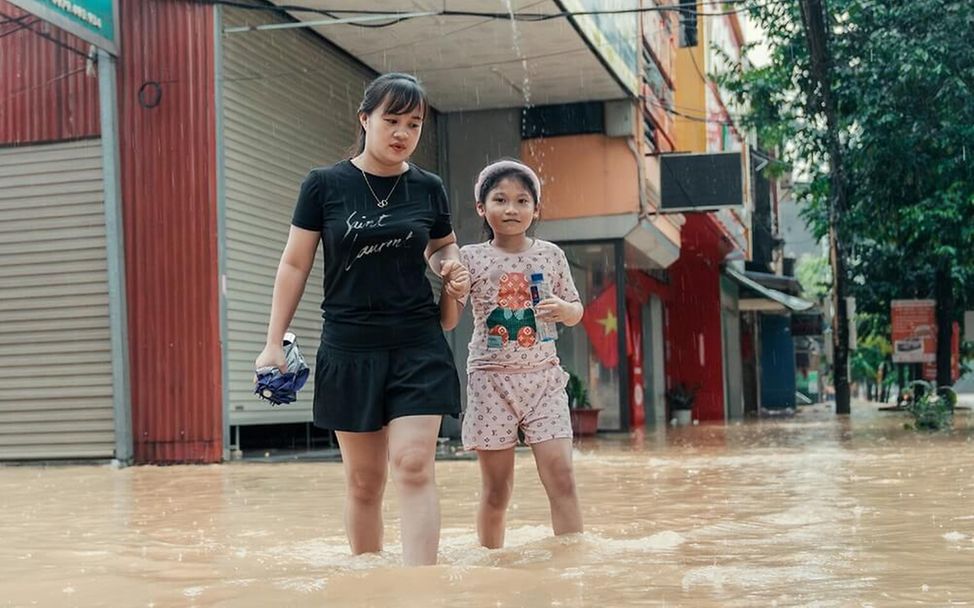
[(808, 511)]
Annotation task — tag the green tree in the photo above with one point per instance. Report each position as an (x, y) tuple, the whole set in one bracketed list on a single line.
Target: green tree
[(902, 73), (814, 275)]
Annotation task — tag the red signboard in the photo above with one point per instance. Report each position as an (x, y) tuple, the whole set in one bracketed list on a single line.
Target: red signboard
[(914, 331)]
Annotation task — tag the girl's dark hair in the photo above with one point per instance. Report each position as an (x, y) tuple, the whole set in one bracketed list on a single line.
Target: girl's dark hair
[(495, 178), (401, 93)]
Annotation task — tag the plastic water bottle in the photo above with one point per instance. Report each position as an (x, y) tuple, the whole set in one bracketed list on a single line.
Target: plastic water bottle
[(539, 291)]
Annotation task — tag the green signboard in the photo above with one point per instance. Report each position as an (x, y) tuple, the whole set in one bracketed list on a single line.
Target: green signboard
[(95, 21)]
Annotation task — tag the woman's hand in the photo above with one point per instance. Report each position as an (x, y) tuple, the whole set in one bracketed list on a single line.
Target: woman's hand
[(456, 279), (271, 356)]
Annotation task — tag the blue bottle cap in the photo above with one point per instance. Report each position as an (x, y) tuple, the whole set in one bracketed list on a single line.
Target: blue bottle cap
[(537, 276)]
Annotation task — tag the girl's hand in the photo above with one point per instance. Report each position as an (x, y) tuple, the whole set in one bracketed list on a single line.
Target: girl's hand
[(271, 356), (456, 279), (553, 309)]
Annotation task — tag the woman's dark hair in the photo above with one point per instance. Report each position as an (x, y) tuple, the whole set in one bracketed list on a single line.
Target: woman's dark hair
[(401, 93), (495, 178)]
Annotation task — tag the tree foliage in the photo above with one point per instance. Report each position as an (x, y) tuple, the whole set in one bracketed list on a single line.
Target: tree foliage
[(814, 275), (903, 76)]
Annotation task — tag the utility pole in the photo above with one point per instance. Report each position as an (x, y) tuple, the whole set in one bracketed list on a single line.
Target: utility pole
[(944, 294), (813, 19)]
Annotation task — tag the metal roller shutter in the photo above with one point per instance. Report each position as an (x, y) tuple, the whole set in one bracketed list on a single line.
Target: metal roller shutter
[(55, 347), (289, 102)]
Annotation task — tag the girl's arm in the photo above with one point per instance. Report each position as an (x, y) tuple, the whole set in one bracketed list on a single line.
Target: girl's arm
[(556, 310), (292, 274), (450, 311), (452, 300), (572, 313), (564, 306)]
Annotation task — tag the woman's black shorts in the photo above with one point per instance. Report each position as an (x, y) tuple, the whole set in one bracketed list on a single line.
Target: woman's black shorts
[(361, 390)]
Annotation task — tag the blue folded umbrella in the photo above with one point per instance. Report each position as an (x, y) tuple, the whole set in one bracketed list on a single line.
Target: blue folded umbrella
[(280, 388)]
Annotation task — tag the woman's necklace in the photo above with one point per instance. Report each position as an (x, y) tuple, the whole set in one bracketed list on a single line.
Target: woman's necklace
[(381, 202)]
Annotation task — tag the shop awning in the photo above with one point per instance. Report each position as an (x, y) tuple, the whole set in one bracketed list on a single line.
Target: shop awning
[(761, 298), (478, 63)]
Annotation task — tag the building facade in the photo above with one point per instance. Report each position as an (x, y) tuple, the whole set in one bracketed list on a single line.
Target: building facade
[(148, 195)]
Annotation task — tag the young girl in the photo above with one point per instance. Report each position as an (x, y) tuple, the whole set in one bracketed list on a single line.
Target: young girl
[(514, 377), (385, 374)]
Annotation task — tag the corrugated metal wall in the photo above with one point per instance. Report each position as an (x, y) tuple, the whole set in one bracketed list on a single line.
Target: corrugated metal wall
[(289, 105), (46, 93), (55, 349), (169, 207)]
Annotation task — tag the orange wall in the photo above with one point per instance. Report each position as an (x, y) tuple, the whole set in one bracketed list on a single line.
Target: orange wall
[(690, 98), (584, 175)]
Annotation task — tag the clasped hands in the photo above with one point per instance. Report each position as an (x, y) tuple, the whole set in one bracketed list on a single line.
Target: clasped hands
[(456, 279)]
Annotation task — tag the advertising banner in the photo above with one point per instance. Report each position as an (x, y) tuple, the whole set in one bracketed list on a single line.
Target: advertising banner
[(914, 331)]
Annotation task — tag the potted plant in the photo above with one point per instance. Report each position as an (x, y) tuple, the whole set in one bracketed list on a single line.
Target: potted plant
[(585, 418), (681, 398), (931, 410)]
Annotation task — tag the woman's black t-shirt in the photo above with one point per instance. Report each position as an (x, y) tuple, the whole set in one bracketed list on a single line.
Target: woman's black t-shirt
[(376, 290)]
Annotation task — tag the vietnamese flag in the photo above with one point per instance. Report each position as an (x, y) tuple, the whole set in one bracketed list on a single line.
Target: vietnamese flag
[(602, 326)]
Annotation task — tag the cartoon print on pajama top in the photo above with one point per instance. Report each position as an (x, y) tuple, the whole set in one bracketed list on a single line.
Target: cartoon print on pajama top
[(513, 318)]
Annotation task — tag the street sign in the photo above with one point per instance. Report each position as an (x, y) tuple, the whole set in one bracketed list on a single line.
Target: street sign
[(94, 21), (914, 331)]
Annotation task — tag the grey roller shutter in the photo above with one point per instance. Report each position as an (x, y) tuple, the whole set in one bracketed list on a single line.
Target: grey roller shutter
[(54, 324)]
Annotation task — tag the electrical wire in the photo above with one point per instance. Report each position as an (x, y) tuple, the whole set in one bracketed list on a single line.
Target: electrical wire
[(460, 30), (671, 110), (15, 19), (277, 74), (21, 26), (43, 84), (45, 36), (506, 16)]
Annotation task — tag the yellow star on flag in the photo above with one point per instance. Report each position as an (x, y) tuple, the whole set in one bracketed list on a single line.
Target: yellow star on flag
[(609, 323)]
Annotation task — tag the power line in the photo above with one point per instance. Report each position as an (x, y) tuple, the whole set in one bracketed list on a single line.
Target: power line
[(672, 110), (44, 35), (21, 26), (470, 26), (277, 74), (505, 16), (15, 19), (43, 84)]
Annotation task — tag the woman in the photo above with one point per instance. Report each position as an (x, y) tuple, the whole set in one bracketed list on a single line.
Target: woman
[(385, 375)]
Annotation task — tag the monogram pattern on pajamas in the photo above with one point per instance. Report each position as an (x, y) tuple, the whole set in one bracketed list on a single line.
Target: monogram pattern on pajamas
[(499, 403)]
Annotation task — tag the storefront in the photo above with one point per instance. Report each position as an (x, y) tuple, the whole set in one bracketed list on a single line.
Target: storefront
[(769, 348), (62, 302), (618, 350)]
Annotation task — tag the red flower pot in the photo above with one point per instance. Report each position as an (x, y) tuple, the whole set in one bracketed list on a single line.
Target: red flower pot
[(585, 421)]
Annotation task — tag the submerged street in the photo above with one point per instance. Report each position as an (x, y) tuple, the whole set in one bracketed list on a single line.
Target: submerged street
[(811, 510)]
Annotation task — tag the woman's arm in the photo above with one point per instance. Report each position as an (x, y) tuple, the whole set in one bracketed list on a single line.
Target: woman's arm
[(443, 256), (292, 274), (442, 250)]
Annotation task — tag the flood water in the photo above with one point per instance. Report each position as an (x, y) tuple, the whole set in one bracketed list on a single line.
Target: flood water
[(809, 511)]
